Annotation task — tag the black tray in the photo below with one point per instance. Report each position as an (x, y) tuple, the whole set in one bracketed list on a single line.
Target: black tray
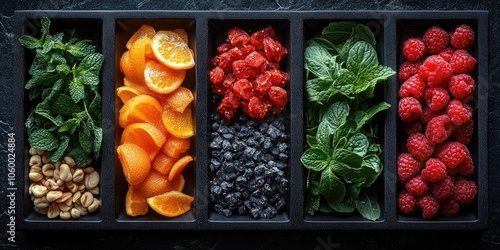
[(113, 28)]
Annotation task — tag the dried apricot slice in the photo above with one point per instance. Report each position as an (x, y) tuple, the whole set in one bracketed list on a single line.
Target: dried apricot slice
[(135, 202), (145, 135), (171, 204), (135, 162), (179, 99), (171, 50), (179, 166), (161, 79), (180, 125)]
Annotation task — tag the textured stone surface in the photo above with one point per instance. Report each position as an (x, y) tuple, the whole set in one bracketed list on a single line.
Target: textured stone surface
[(489, 239)]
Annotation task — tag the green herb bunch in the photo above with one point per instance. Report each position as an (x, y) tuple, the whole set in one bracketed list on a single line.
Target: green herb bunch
[(65, 81), (342, 158)]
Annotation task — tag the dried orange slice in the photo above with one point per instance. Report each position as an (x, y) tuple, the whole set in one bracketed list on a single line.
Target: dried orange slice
[(144, 31), (179, 166), (141, 87), (171, 50), (161, 79), (135, 202), (180, 125), (171, 204), (137, 58), (179, 99), (125, 93), (141, 108), (145, 135), (155, 184), (135, 162), (182, 33), (177, 184), (163, 163), (174, 147)]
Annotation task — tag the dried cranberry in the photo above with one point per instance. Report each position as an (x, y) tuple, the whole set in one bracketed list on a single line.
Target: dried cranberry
[(257, 109), (257, 37), (241, 70), (225, 62), (255, 59), (274, 50), (225, 47), (243, 88), (216, 75), (278, 96), (237, 36)]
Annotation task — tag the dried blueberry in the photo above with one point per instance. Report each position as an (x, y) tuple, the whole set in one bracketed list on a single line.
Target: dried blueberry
[(241, 181), (216, 190), (242, 209), (227, 212)]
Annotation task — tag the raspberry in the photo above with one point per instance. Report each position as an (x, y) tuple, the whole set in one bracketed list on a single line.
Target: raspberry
[(436, 98), (406, 202), (448, 207), (414, 49), (463, 134), (436, 39), (429, 206), (452, 153), (407, 69), (466, 168), (459, 113), (461, 85), (408, 167), (439, 129), (428, 114), (435, 70), (412, 127), (419, 146), (447, 53), (462, 37), (462, 62), (464, 191), (444, 189), (409, 109), (414, 86), (434, 170), (417, 186)]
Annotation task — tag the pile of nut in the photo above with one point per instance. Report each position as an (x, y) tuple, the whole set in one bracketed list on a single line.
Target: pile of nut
[(61, 189)]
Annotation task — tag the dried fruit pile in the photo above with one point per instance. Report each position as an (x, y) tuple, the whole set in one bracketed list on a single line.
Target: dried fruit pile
[(434, 105), (157, 121), (249, 152)]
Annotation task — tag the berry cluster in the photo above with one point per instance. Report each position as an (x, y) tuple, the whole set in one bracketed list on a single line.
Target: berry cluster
[(434, 94)]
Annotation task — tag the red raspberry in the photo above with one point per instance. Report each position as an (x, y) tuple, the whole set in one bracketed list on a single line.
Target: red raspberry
[(462, 37), (462, 62), (429, 206), (414, 49), (434, 171), (463, 134), (419, 146), (461, 85), (448, 207), (444, 189), (464, 191), (409, 109), (466, 168), (435, 70), (436, 98), (417, 186), (408, 167), (452, 153), (406, 202), (412, 127), (407, 69), (436, 39), (459, 113), (428, 114), (439, 129), (414, 86), (447, 53)]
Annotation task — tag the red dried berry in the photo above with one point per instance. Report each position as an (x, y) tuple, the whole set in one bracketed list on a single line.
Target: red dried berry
[(243, 88), (463, 134), (462, 37), (464, 191), (417, 186), (273, 50), (225, 47), (451, 153), (466, 168), (407, 167), (257, 109), (228, 106), (224, 61), (461, 85), (419, 146), (257, 37), (278, 96), (278, 78), (412, 127), (435, 71), (439, 129), (216, 75), (406, 202), (429, 206), (436, 98), (428, 114), (409, 109), (448, 208), (414, 86), (436, 39), (414, 49), (458, 112), (407, 69), (434, 171), (241, 69), (462, 62), (237, 36), (444, 189), (447, 53), (255, 59)]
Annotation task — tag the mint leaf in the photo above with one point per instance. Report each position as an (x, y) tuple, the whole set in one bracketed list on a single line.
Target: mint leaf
[(43, 110), (64, 105), (368, 206), (347, 157), (69, 126), (92, 63), (45, 26), (312, 204), (345, 206), (373, 167), (358, 144), (81, 48), (97, 141), (323, 136), (330, 187), (370, 113), (43, 139), (29, 42), (44, 78), (59, 152), (314, 159), (336, 114), (320, 62), (89, 78), (338, 32), (79, 156), (76, 90)]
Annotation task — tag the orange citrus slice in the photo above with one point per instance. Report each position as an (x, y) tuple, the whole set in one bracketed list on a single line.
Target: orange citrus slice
[(163, 163), (179, 99), (137, 58), (155, 184), (135, 162), (174, 147), (171, 50), (180, 125), (135, 202), (125, 93), (144, 31), (182, 33), (141, 108), (179, 166), (145, 135), (171, 204), (161, 79)]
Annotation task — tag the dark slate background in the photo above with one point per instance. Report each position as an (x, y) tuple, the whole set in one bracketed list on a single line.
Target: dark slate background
[(489, 239)]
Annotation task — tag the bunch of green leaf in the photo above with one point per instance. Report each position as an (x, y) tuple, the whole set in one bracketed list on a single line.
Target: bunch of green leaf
[(342, 158), (65, 78)]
